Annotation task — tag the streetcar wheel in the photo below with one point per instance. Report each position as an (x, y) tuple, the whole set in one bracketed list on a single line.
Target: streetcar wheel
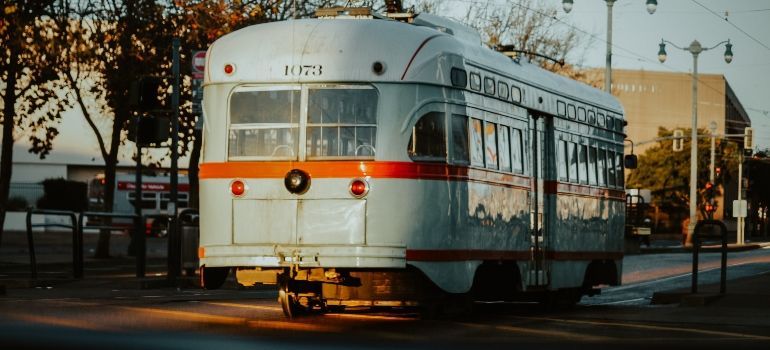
[(213, 277), (289, 303)]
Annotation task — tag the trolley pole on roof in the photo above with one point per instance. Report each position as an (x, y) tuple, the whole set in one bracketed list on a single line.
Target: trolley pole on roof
[(174, 246)]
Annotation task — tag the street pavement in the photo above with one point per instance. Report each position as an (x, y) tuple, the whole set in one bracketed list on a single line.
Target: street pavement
[(742, 313)]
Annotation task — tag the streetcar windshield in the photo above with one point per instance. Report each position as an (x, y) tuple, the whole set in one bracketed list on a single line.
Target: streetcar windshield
[(340, 122), (264, 123)]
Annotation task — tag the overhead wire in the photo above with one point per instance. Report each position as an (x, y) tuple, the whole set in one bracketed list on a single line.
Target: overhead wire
[(636, 55), (732, 24)]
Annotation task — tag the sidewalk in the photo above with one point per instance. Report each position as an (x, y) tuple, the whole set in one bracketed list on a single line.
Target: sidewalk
[(672, 243)]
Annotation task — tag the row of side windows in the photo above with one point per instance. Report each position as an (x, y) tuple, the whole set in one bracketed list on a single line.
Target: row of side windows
[(588, 116), (499, 89), (592, 165), (474, 141)]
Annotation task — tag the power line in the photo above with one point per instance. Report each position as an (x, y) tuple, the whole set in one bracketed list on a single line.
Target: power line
[(635, 55), (732, 24)]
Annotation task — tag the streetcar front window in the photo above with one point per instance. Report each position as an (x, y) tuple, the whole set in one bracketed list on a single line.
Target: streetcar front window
[(341, 122), (264, 123)]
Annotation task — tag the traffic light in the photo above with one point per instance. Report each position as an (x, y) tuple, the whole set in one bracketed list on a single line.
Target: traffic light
[(145, 93), (748, 138), (678, 140)]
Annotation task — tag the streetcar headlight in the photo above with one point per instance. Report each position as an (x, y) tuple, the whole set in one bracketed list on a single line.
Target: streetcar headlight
[(297, 181), (359, 188), (237, 188)]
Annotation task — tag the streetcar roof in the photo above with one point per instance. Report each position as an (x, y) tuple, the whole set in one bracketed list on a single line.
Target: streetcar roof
[(344, 50)]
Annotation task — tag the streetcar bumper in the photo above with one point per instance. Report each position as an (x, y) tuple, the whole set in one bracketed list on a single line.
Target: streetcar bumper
[(303, 256)]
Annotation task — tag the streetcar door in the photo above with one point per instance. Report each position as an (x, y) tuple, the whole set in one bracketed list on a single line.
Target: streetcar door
[(541, 165)]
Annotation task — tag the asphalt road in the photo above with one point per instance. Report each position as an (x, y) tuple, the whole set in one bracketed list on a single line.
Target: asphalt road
[(61, 317)]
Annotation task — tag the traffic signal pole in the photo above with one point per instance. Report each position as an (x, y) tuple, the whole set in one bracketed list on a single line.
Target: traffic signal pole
[(174, 244)]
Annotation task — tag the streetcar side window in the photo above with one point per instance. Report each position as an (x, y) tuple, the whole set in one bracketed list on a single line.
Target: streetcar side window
[(611, 168), (517, 155), (489, 86), (561, 108), (515, 94), (602, 168), (264, 124), (581, 114), (502, 90), (573, 162), (591, 117), (342, 123), (571, 111), (460, 151), (459, 77), (505, 148), (428, 141), (490, 144), (563, 158), (592, 165), (583, 163), (600, 121), (619, 169), (475, 81), (477, 143)]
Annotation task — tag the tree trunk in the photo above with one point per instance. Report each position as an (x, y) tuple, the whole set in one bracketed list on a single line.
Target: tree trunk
[(9, 114), (110, 168), (192, 170)]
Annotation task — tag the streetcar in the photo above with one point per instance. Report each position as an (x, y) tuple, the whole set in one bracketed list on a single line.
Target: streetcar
[(365, 161)]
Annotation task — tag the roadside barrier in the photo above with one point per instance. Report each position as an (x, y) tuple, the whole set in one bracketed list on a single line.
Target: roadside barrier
[(77, 239), (696, 241), (139, 240)]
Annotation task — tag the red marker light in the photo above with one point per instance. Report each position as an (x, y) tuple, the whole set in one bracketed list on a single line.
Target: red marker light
[(229, 69), (238, 188), (359, 188)]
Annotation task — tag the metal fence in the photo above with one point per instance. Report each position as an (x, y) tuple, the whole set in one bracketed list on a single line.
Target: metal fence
[(31, 192)]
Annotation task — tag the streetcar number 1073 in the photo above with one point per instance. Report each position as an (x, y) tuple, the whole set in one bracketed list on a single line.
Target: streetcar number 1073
[(302, 70)]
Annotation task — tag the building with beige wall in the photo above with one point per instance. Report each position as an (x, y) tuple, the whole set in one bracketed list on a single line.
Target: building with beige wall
[(661, 99)]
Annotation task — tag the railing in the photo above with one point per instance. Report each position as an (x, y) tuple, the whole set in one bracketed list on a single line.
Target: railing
[(77, 239), (139, 238), (696, 241)]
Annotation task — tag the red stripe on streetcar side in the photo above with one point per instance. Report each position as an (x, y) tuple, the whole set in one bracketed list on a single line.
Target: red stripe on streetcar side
[(439, 255)]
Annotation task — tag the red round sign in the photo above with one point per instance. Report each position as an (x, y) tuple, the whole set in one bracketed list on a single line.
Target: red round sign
[(199, 61)]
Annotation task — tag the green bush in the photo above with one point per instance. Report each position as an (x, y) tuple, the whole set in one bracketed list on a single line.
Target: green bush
[(61, 194), (17, 203)]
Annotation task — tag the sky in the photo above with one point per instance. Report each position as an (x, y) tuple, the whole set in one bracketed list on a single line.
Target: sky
[(636, 35)]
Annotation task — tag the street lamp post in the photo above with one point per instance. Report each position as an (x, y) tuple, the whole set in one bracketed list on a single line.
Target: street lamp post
[(652, 5), (695, 49)]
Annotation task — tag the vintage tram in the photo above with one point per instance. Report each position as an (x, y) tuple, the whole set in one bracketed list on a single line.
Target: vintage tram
[(370, 161)]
